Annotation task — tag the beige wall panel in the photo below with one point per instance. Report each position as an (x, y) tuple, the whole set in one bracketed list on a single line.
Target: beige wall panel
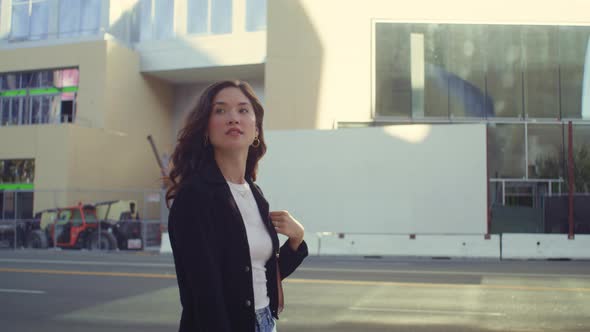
[(51, 157), (137, 104), (107, 165), (17, 142), (51, 165), (293, 102), (336, 35)]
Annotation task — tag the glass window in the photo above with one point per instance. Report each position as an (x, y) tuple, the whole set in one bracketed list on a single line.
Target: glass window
[(506, 150), (20, 19), (197, 19), (207, 16), (545, 151), (76, 217), (504, 71), (30, 19), (581, 156), (574, 71), (466, 71), (393, 95), (540, 66), (436, 85), (17, 171), (47, 96), (12, 109), (44, 109), (90, 17), (64, 217), (164, 19), (4, 111), (482, 71), (145, 19), (90, 215), (255, 15), (79, 17), (65, 78), (10, 82), (69, 19), (39, 19), (221, 16)]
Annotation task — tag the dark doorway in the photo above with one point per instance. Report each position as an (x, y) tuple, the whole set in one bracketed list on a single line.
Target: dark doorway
[(67, 111)]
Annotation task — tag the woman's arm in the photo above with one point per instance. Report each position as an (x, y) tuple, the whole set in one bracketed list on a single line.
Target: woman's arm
[(290, 259), (197, 265), (294, 250)]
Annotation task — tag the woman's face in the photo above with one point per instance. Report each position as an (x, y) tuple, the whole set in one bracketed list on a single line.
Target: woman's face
[(232, 124)]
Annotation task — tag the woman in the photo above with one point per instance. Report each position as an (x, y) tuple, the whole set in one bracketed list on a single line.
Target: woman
[(224, 239)]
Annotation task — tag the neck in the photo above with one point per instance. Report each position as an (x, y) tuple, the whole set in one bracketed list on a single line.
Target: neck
[(232, 165)]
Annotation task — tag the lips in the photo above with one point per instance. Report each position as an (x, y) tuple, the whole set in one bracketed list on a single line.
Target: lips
[(234, 131)]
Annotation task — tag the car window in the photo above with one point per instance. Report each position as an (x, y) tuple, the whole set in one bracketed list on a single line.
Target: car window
[(64, 217)]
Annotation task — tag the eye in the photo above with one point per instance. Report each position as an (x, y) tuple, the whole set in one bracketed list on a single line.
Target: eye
[(244, 110), (219, 110)]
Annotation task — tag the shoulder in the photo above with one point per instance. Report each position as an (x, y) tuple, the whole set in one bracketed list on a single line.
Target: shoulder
[(193, 193)]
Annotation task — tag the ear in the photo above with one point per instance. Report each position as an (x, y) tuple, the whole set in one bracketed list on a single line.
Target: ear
[(257, 131)]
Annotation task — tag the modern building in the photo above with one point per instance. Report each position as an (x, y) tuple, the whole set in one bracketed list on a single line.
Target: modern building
[(83, 82)]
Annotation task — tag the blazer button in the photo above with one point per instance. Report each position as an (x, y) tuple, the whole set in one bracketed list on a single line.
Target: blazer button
[(248, 303), (247, 269)]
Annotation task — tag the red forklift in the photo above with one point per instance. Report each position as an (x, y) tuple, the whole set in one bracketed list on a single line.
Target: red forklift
[(77, 227)]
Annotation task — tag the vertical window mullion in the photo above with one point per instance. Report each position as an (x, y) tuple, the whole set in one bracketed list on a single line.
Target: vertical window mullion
[(30, 21), (80, 22), (209, 18)]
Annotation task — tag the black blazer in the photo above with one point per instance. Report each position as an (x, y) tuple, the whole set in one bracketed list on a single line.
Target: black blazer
[(212, 256)]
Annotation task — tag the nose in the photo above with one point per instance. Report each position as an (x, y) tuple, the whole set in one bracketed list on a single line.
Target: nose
[(232, 118)]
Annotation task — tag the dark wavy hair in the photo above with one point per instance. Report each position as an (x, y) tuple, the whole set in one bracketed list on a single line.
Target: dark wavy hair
[(191, 150)]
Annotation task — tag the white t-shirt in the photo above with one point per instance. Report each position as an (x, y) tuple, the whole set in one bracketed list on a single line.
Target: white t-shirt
[(258, 240)]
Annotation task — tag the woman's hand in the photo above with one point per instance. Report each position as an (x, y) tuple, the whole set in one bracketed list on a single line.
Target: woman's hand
[(285, 224)]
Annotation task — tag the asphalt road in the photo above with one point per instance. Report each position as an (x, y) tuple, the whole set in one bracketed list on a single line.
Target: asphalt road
[(71, 291)]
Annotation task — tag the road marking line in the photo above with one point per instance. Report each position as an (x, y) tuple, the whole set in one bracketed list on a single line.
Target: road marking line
[(310, 281), (425, 311), (452, 273), (21, 291), (309, 269), (98, 263), (87, 273), (434, 285)]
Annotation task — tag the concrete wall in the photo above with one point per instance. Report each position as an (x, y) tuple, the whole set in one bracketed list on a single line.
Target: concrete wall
[(439, 246), (365, 191), (319, 53), (545, 246), (396, 180), (203, 51)]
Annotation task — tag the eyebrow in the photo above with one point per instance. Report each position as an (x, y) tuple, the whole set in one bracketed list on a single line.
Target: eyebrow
[(224, 103)]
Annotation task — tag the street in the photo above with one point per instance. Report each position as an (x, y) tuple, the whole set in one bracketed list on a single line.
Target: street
[(62, 290)]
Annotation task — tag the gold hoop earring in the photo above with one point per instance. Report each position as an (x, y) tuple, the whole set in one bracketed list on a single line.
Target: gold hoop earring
[(206, 141), (256, 142)]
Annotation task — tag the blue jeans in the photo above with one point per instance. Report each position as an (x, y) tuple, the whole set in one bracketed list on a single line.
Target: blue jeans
[(264, 321)]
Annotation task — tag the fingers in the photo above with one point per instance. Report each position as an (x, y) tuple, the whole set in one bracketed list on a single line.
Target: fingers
[(279, 217), (280, 221), (278, 214)]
